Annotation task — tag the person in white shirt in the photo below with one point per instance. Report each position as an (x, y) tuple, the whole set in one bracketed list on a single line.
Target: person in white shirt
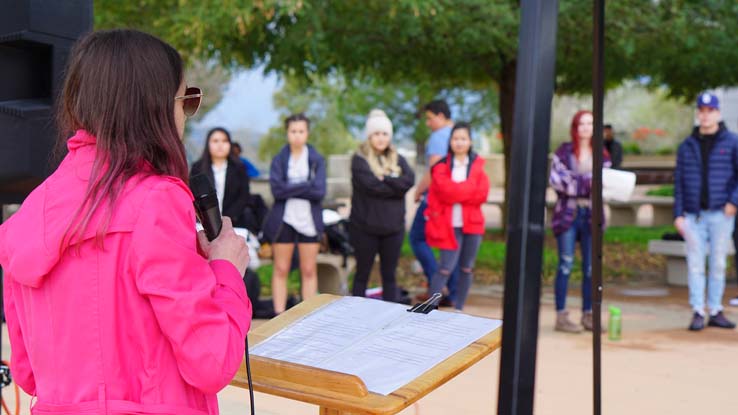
[(298, 183)]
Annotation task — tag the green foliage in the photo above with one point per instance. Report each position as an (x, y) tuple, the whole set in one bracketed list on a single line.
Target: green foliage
[(667, 190), (328, 133), (442, 42), (693, 50), (632, 148), (666, 151), (685, 45), (339, 105), (648, 117), (211, 78)]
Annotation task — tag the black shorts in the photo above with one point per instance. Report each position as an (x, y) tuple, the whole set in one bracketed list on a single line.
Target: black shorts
[(288, 235)]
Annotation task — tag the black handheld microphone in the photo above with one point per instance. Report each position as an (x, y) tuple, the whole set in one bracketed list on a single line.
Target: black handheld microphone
[(206, 205)]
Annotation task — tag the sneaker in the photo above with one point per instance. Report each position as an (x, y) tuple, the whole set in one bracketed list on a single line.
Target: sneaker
[(564, 324), (698, 322), (733, 302), (719, 320)]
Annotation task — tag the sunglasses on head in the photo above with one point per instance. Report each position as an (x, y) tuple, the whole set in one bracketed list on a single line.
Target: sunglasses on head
[(192, 99)]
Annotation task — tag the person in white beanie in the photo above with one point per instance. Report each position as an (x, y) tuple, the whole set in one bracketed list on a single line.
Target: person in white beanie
[(380, 177)]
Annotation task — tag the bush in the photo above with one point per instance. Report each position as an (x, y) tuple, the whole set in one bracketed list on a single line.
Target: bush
[(666, 151), (632, 148)]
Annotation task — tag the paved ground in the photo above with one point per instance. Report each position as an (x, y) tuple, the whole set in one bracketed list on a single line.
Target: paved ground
[(657, 368)]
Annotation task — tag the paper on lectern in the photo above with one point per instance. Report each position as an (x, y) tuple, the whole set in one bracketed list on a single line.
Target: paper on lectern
[(380, 342)]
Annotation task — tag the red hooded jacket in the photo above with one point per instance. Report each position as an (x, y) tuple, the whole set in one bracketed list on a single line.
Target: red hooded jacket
[(444, 193)]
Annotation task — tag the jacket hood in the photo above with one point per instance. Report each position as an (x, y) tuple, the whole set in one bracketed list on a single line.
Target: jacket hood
[(33, 240)]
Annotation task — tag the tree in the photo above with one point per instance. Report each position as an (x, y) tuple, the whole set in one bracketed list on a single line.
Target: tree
[(212, 78), (328, 133), (337, 99), (445, 43)]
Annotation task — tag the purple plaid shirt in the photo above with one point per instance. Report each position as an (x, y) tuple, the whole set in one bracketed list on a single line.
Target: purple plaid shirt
[(569, 186)]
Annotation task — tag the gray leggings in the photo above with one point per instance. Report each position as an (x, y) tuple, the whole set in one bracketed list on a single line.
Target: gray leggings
[(465, 255)]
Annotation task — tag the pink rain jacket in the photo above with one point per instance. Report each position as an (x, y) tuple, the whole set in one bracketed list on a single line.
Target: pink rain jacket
[(144, 325)]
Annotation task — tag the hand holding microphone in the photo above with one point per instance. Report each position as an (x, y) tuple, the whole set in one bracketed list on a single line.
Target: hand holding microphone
[(228, 245), (218, 240)]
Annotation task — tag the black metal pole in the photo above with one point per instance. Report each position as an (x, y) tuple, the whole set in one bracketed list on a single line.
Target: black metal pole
[(526, 204), (598, 91)]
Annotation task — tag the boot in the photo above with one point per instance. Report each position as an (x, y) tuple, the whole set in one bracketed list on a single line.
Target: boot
[(587, 320), (564, 324)]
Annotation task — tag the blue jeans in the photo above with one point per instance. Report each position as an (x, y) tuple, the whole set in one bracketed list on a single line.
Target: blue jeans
[(462, 258), (424, 253), (709, 230), (579, 231)]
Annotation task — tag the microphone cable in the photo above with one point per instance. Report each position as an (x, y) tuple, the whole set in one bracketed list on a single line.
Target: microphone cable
[(248, 376)]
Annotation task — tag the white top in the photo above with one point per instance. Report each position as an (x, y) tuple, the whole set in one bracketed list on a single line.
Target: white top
[(458, 174), (219, 174), (297, 212)]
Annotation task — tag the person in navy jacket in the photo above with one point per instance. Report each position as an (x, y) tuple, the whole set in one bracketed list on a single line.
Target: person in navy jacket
[(705, 200), (297, 180)]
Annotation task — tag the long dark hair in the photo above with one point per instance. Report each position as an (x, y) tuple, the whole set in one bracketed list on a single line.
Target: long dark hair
[(120, 87), (206, 160), (460, 126)]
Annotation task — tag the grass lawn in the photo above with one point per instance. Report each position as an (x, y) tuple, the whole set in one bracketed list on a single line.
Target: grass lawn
[(624, 254), (667, 190)]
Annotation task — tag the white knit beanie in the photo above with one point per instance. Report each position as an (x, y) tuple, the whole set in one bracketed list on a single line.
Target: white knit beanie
[(377, 121)]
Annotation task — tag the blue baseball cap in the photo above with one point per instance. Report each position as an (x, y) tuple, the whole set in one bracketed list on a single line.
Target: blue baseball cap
[(707, 99)]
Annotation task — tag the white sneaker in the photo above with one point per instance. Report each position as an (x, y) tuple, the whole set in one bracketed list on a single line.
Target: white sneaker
[(733, 302)]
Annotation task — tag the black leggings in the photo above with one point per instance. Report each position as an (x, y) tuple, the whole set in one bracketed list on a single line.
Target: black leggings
[(366, 246)]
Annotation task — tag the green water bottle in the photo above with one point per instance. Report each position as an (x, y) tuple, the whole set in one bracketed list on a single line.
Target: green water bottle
[(613, 328)]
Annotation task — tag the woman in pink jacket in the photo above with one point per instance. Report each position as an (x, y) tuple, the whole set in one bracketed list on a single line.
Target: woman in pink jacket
[(114, 304)]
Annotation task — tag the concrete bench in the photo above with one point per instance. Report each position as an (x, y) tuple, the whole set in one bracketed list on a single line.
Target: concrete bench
[(332, 275), (497, 201), (676, 259), (626, 213)]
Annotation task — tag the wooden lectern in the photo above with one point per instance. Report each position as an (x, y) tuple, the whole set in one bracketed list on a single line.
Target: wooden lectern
[(340, 393)]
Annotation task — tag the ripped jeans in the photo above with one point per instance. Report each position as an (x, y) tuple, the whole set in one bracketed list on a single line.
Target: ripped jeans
[(579, 231), (463, 257)]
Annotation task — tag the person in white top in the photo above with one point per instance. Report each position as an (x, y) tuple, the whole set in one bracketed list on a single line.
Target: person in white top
[(297, 180)]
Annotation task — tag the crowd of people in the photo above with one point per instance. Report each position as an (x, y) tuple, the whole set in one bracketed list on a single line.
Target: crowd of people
[(450, 193), (449, 218), (110, 250)]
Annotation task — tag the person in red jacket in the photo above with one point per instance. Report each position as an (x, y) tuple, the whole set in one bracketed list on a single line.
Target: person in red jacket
[(455, 223)]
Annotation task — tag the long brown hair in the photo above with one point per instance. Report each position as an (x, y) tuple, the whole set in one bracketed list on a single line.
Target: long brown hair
[(120, 87), (574, 132)]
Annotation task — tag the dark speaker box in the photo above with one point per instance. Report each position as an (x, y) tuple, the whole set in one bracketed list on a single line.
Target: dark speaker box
[(36, 37)]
